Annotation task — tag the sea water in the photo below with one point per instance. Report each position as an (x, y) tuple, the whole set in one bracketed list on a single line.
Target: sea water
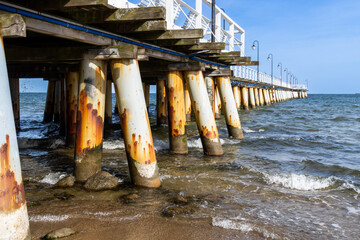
[(296, 173)]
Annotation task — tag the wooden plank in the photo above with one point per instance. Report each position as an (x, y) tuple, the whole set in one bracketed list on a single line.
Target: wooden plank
[(251, 63), (220, 72), (208, 46), (64, 32), (232, 54), (189, 66), (135, 27), (176, 42), (137, 14), (172, 34), (12, 25), (163, 55), (235, 59), (88, 5)]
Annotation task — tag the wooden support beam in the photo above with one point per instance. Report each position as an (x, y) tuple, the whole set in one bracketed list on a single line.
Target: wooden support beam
[(137, 14), (87, 5), (230, 54), (163, 55), (234, 59), (189, 66), (12, 25), (55, 30), (251, 63), (172, 34)]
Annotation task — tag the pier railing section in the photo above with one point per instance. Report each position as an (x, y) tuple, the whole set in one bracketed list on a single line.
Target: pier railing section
[(252, 74)]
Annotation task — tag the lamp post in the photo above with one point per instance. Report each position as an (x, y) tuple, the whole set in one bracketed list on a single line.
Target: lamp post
[(287, 74), (280, 66), (253, 47)]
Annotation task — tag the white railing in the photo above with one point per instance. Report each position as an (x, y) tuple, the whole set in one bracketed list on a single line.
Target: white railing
[(251, 74), (180, 15)]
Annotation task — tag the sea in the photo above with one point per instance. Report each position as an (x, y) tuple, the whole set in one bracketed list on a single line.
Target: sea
[(295, 175)]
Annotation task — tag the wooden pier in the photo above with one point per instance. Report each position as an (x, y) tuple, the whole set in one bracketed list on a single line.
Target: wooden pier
[(83, 47)]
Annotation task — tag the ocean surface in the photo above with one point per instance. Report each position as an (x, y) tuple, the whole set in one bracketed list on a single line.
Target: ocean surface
[(296, 175)]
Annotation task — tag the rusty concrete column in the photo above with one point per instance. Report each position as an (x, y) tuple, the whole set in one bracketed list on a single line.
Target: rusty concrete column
[(147, 96), (235, 90), (204, 116), (187, 103), (256, 93), (261, 97), (231, 114), (63, 108), (49, 105), (15, 99), (135, 123), (252, 97), (177, 115), (90, 118), (108, 103), (245, 97), (210, 85), (217, 103), (72, 98), (161, 106), (57, 102), (239, 93), (14, 222)]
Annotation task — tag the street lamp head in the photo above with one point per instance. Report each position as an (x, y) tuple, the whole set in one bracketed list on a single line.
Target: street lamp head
[(278, 65), (253, 46), (268, 58)]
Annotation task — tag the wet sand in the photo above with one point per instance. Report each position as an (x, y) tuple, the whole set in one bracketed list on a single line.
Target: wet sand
[(89, 220)]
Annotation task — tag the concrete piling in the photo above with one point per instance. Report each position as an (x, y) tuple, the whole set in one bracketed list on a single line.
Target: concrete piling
[(252, 97), (72, 98), (90, 118), (177, 115), (187, 103), (245, 98), (210, 85), (261, 97), (231, 114), (161, 106), (235, 90), (217, 103), (57, 102), (204, 116), (15, 99), (108, 103), (14, 222), (135, 123), (256, 94), (147, 96), (49, 105)]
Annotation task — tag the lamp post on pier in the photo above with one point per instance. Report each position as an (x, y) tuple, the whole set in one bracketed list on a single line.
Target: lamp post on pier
[(280, 66), (257, 48), (287, 74), (271, 57)]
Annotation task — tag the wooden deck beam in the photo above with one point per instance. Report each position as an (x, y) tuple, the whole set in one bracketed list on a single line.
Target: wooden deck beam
[(12, 25)]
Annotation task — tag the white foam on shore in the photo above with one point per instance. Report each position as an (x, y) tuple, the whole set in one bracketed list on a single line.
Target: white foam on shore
[(299, 181), (48, 218), (53, 178), (242, 226), (350, 185)]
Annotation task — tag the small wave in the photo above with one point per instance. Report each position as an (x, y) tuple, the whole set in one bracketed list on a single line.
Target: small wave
[(48, 218), (358, 119), (248, 130), (351, 185), (339, 119), (353, 210), (242, 226), (53, 178), (114, 144), (300, 182), (194, 143)]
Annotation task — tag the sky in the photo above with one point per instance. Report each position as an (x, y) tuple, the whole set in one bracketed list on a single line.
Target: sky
[(316, 40)]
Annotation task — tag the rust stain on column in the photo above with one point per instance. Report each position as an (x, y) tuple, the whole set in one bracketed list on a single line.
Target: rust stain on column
[(12, 194), (187, 103), (245, 97)]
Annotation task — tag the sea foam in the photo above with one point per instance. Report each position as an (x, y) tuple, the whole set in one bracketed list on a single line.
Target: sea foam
[(300, 181), (52, 178)]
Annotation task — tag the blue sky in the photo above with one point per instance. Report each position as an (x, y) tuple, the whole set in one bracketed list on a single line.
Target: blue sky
[(316, 40)]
